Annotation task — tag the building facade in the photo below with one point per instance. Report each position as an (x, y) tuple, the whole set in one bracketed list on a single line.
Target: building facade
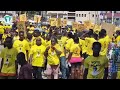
[(76, 15)]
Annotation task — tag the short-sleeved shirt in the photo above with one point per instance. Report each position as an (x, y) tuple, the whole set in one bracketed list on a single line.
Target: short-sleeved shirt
[(96, 66), (38, 55), (9, 58)]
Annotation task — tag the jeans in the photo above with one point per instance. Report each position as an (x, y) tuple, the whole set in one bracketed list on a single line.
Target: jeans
[(63, 67), (37, 72)]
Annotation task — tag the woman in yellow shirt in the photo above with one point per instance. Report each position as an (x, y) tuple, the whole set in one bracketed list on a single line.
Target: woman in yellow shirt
[(52, 54), (37, 58), (75, 59)]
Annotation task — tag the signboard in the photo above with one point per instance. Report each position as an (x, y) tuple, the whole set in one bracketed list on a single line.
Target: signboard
[(58, 23), (109, 28), (87, 24), (8, 19), (53, 21), (23, 17), (21, 26), (97, 27), (37, 18), (81, 27)]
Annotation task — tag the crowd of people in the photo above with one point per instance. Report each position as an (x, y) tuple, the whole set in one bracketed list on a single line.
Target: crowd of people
[(75, 54)]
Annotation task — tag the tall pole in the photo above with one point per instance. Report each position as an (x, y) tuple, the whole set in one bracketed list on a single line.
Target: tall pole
[(112, 17)]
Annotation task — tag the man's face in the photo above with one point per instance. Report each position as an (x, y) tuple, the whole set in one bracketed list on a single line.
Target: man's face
[(96, 49), (21, 35), (53, 42), (8, 43), (38, 41)]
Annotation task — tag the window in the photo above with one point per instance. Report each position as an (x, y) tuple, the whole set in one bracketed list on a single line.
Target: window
[(76, 15), (93, 15), (79, 15), (82, 15), (85, 15), (71, 17), (96, 15), (71, 14)]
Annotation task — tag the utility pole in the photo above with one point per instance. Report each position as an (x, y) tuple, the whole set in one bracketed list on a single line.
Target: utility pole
[(112, 17)]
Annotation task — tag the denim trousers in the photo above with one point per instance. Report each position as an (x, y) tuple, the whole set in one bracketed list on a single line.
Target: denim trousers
[(63, 67)]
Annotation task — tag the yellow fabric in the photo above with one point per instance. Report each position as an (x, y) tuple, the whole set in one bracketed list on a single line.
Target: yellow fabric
[(104, 46), (38, 55), (1, 29), (5, 36), (53, 58), (89, 42), (21, 46), (69, 43), (11, 55), (61, 47), (100, 63), (118, 40), (32, 28), (82, 44), (64, 39), (48, 43), (75, 49), (15, 38)]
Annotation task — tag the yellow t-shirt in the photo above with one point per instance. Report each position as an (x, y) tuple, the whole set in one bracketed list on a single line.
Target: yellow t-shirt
[(104, 46), (48, 43), (64, 39), (1, 29), (89, 43), (62, 48), (75, 49), (11, 55), (5, 36), (53, 58), (96, 66), (117, 40), (21, 46), (82, 44), (69, 43), (38, 55), (16, 38)]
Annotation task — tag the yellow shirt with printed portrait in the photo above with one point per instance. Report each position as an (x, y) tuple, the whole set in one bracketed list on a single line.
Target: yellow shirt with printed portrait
[(53, 58), (96, 66), (75, 49), (10, 56), (38, 55), (21, 46)]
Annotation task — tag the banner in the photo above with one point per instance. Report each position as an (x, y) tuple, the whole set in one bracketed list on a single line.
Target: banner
[(64, 22), (58, 23), (81, 27), (8, 19), (53, 21), (87, 24), (23, 17), (37, 18), (97, 27), (21, 27), (109, 28)]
